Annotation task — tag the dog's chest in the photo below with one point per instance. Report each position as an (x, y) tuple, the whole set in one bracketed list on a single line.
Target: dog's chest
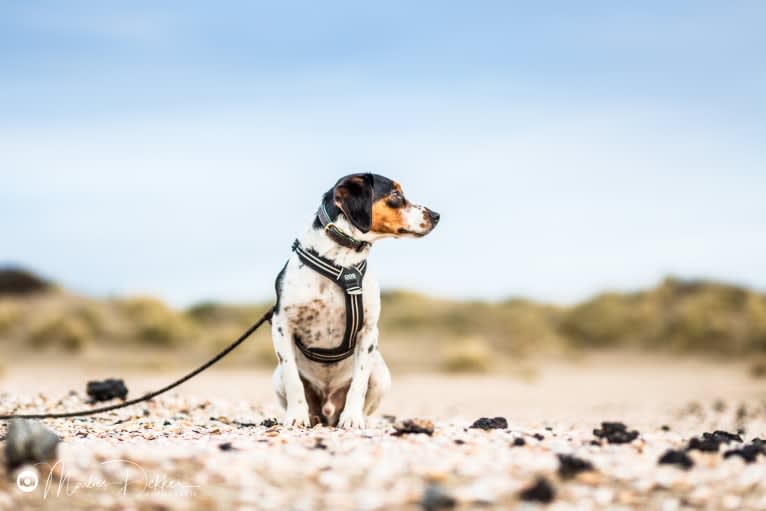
[(314, 307)]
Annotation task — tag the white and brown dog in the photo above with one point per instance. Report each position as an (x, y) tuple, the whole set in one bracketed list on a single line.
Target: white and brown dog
[(325, 322)]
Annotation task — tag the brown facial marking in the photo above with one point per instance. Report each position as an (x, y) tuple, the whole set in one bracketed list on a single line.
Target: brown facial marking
[(385, 219)]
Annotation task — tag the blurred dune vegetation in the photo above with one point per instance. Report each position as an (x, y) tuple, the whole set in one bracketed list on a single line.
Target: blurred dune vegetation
[(419, 332)]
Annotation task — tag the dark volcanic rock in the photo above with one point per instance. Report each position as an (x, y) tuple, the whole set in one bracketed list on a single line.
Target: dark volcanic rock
[(711, 442), (680, 458), (540, 491), (106, 390), (269, 423), (615, 433), (748, 452), (411, 426), (29, 442), (724, 436), (570, 466), (704, 444), (518, 442), (487, 423)]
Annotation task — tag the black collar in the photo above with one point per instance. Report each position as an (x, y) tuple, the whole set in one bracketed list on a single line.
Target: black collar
[(349, 278), (338, 236)]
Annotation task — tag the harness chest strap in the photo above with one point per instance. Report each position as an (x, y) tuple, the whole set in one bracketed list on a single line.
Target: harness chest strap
[(349, 279)]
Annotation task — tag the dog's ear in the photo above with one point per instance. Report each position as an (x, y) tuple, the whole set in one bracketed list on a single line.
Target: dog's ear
[(353, 195)]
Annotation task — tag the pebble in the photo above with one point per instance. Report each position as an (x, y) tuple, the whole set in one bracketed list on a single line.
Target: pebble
[(106, 390), (540, 491), (29, 442), (676, 457), (487, 423), (411, 426), (235, 457), (436, 498), (570, 466), (615, 433)]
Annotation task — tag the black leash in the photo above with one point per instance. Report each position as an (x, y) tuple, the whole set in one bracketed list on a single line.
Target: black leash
[(151, 395)]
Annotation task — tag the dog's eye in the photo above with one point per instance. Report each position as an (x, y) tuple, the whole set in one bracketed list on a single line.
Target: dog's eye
[(395, 200)]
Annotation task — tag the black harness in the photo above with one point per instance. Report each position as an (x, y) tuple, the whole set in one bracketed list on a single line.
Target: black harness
[(349, 278)]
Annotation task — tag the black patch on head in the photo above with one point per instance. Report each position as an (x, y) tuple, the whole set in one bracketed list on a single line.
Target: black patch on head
[(353, 195), (381, 187), (359, 191)]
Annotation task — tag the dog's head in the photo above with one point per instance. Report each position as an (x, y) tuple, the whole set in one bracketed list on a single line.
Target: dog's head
[(376, 206)]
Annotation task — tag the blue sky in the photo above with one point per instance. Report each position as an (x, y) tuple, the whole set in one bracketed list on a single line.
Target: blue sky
[(177, 148)]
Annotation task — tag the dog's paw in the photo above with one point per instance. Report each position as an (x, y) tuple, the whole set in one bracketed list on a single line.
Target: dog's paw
[(353, 420), (298, 416)]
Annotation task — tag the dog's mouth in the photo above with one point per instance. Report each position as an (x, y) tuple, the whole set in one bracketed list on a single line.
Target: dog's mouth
[(407, 232)]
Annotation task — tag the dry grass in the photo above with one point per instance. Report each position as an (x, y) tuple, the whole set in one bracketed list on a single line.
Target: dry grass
[(68, 333), (471, 355), (674, 317), (10, 315)]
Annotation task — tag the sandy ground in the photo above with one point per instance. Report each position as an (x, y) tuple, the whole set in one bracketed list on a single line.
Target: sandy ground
[(202, 447)]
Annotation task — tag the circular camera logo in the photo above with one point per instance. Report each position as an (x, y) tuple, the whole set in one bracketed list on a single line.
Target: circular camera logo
[(27, 481)]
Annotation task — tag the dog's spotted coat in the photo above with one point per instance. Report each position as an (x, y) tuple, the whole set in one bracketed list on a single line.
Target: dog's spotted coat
[(311, 309)]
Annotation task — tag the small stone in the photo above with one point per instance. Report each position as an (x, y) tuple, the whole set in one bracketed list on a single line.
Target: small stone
[(519, 442), (411, 426), (540, 491), (269, 423), (570, 466), (487, 423), (615, 433), (724, 436), (226, 446), (749, 452), (106, 390), (29, 442), (436, 498), (673, 457), (703, 444)]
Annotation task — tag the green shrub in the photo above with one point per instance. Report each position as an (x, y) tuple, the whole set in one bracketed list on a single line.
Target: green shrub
[(63, 332), (152, 322), (471, 355), (210, 314), (608, 319)]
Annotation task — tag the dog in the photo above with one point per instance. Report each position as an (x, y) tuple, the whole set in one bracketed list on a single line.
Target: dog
[(325, 321)]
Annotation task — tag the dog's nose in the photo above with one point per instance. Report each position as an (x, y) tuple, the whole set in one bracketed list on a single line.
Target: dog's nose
[(434, 216)]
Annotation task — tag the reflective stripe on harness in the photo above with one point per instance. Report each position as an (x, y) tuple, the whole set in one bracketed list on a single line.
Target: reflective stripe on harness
[(350, 281)]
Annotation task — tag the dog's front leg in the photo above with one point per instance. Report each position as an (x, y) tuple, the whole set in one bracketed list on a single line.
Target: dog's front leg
[(296, 409), (353, 412)]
